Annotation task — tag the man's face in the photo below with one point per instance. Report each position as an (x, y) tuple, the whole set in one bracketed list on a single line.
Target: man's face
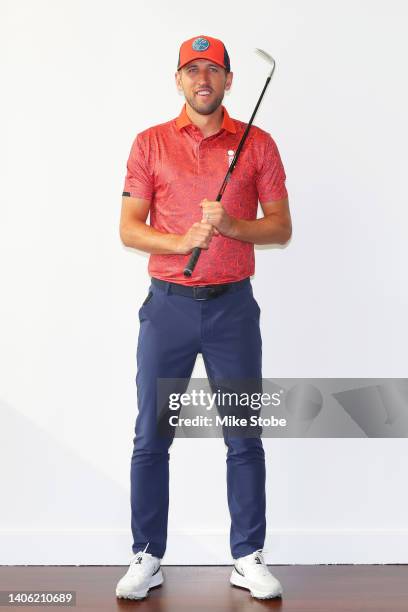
[(203, 84)]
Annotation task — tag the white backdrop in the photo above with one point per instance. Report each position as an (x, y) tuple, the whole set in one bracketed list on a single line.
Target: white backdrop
[(80, 79)]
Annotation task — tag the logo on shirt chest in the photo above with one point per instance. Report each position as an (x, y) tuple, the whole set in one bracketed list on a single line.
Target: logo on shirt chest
[(230, 154)]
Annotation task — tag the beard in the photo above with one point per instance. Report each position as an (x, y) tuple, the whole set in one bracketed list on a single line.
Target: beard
[(202, 109)]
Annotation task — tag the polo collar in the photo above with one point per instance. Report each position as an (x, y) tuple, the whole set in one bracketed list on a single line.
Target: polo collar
[(227, 123)]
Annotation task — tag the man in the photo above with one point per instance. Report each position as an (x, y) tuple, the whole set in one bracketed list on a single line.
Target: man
[(174, 171)]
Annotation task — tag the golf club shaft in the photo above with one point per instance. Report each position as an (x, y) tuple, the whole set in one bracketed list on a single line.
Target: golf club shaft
[(188, 270)]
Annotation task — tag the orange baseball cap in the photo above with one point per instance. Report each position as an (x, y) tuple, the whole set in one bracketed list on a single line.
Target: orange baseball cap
[(204, 47)]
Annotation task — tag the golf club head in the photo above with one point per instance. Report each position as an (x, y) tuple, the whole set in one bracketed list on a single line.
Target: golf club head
[(267, 58)]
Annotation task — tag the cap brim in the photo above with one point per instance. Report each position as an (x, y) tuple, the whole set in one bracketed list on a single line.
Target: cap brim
[(201, 57)]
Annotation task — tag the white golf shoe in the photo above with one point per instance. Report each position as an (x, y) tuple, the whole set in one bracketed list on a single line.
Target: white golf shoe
[(252, 573), (144, 573)]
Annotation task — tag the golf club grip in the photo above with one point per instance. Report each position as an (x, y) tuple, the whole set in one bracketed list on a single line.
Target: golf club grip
[(188, 270)]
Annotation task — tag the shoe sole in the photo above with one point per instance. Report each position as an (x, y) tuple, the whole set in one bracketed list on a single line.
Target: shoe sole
[(240, 581), (155, 581)]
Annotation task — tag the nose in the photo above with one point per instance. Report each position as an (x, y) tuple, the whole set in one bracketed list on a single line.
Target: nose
[(201, 83)]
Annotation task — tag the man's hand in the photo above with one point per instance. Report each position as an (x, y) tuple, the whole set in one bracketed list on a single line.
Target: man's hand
[(215, 214), (199, 235)]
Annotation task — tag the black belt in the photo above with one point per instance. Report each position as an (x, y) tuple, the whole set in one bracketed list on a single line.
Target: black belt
[(204, 292)]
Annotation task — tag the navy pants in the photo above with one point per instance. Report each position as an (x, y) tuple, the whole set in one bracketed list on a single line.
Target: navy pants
[(173, 330)]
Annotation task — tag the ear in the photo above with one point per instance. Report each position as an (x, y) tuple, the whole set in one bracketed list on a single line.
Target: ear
[(177, 77), (228, 81)]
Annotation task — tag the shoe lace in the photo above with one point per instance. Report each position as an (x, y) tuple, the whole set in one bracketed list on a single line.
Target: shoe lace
[(139, 557), (257, 557)]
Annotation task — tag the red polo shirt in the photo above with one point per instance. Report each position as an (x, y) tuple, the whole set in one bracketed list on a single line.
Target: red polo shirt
[(174, 167)]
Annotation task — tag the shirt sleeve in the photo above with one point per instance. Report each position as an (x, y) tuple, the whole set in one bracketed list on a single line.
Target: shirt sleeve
[(271, 177), (139, 179)]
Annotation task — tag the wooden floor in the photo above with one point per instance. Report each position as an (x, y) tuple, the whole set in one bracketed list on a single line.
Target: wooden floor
[(308, 588)]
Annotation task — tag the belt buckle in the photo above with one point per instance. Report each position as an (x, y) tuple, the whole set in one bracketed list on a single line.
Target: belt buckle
[(196, 293), (211, 292)]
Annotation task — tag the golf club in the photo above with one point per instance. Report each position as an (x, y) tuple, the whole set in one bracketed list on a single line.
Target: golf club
[(188, 270)]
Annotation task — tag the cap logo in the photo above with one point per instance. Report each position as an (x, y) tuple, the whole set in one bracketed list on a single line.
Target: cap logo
[(201, 44)]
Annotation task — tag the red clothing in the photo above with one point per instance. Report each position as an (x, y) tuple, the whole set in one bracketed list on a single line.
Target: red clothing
[(175, 167)]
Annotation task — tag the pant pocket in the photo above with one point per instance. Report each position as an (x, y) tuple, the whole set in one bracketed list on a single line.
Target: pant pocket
[(148, 298)]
